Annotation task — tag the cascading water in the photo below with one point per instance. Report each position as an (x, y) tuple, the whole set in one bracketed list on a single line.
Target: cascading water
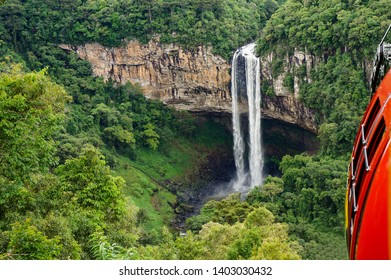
[(246, 85), (239, 148)]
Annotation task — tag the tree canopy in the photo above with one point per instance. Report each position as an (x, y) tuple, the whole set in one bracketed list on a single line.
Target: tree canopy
[(225, 25)]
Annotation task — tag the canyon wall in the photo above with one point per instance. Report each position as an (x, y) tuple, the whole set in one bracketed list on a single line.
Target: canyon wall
[(195, 80)]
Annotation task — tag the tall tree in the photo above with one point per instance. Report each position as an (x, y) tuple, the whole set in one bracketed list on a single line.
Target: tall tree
[(31, 111)]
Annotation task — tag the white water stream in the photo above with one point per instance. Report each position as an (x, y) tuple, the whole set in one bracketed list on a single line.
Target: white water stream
[(247, 175)]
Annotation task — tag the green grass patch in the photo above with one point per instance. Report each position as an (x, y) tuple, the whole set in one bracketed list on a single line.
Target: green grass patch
[(146, 194), (178, 159), (171, 161)]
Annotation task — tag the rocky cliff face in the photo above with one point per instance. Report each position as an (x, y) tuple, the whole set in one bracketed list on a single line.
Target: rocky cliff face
[(197, 80), (189, 80), (283, 103)]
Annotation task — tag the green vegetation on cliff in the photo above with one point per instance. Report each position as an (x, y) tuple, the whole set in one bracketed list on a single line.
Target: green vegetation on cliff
[(343, 35), (325, 27), (225, 25)]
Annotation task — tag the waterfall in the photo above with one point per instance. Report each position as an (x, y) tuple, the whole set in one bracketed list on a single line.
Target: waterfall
[(239, 148), (246, 85)]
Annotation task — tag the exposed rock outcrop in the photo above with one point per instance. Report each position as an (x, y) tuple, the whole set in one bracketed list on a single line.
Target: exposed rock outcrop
[(197, 80), (284, 103), (189, 80)]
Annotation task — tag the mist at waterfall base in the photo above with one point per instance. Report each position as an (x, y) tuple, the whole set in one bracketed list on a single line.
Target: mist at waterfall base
[(247, 149)]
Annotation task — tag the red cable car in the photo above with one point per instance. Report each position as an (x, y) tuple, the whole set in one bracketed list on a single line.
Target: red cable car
[(368, 196)]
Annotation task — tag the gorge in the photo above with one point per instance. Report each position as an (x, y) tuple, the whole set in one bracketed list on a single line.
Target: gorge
[(204, 84)]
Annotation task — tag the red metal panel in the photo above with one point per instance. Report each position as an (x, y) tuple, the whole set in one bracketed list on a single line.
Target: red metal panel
[(373, 233), (368, 198)]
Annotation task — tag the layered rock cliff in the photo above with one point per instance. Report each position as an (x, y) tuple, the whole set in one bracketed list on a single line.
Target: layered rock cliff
[(188, 80), (196, 80)]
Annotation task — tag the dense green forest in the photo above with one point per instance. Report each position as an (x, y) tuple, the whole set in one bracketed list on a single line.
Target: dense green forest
[(222, 24), (94, 170)]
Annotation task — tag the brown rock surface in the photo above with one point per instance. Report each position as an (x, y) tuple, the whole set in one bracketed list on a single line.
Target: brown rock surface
[(189, 80)]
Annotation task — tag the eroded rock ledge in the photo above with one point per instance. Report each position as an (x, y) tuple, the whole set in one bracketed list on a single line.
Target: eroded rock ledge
[(197, 80)]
